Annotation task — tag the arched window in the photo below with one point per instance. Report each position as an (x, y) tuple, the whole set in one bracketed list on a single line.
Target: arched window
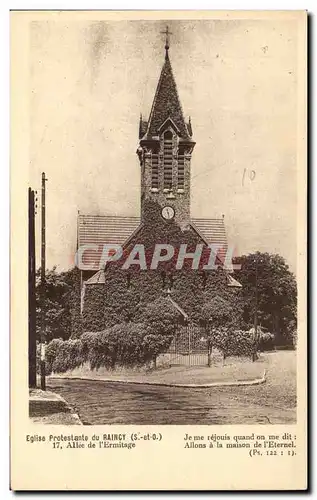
[(168, 159)]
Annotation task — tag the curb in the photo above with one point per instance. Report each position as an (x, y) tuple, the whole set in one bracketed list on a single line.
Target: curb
[(240, 383), (48, 406), (75, 416)]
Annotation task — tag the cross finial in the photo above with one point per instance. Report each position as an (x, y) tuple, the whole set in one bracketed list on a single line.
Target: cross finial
[(167, 40)]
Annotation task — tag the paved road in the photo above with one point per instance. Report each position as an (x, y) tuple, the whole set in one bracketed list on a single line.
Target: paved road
[(99, 402)]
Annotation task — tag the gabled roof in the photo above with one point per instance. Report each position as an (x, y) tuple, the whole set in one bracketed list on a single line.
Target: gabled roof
[(100, 230), (106, 229), (232, 282), (213, 232), (166, 105), (98, 278)]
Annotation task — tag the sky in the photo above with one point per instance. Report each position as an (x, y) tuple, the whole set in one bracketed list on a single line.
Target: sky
[(237, 79)]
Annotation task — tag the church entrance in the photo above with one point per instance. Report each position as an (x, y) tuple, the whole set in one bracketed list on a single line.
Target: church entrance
[(189, 347)]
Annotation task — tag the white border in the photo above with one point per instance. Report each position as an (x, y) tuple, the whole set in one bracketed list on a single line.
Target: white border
[(5, 6)]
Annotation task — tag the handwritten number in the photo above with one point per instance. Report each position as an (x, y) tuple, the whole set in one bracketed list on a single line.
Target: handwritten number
[(251, 174), (244, 171)]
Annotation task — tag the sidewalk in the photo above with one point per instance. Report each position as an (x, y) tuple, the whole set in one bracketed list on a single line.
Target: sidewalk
[(46, 407), (233, 373)]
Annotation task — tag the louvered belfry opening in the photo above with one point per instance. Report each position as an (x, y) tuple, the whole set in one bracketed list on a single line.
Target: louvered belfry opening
[(155, 170), (181, 171), (165, 150), (168, 159)]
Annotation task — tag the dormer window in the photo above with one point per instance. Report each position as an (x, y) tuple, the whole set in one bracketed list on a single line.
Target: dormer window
[(168, 159)]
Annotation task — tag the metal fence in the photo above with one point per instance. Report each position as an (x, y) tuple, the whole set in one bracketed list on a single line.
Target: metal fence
[(189, 347)]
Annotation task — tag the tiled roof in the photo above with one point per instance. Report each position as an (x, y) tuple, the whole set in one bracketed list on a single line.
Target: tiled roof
[(213, 232), (105, 229), (166, 105), (100, 230)]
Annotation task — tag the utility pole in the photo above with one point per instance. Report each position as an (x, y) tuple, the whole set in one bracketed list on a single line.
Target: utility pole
[(43, 287), (256, 311), (256, 301), (32, 299)]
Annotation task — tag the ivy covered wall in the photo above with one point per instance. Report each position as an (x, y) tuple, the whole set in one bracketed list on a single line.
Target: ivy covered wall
[(125, 293)]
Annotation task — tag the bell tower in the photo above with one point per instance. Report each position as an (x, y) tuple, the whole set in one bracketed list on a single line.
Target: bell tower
[(165, 149)]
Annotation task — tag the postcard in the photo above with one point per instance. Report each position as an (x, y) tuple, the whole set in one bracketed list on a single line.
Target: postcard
[(158, 250)]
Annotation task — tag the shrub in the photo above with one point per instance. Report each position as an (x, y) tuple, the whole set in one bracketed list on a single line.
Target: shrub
[(68, 356), (160, 317), (216, 312), (89, 347), (125, 344), (129, 340), (118, 345), (138, 343), (160, 321), (289, 337), (266, 341), (51, 353), (233, 342)]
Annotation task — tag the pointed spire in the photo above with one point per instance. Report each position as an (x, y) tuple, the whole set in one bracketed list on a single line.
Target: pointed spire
[(166, 104), (189, 127), (142, 126)]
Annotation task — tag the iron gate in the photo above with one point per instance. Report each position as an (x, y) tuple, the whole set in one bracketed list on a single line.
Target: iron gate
[(188, 347)]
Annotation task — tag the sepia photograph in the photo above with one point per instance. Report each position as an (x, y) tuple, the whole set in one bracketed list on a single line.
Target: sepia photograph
[(162, 221), (158, 260)]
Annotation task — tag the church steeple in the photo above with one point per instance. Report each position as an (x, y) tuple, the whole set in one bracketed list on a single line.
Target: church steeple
[(165, 147), (166, 105)]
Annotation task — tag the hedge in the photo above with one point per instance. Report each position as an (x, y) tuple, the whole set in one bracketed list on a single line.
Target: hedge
[(68, 356), (125, 344), (233, 342)]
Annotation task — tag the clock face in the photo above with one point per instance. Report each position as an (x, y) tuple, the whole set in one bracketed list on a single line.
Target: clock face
[(168, 213)]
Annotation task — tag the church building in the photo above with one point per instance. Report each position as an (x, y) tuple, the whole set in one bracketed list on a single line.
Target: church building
[(111, 294)]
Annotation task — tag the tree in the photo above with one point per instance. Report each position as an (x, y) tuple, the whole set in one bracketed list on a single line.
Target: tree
[(216, 311), (215, 314), (160, 319), (276, 291), (58, 287)]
